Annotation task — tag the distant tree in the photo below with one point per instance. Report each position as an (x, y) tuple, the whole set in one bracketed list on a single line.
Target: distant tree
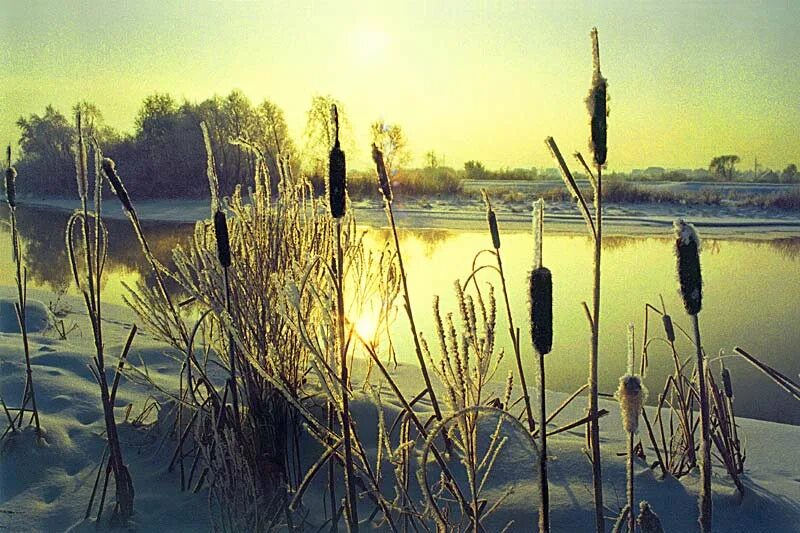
[(45, 163), (392, 142), (474, 170), (271, 136), (431, 160), (156, 117), (724, 167), (789, 174), (319, 135)]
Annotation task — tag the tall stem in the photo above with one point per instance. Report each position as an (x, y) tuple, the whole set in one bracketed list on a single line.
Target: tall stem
[(23, 326), (594, 424), (705, 444), (351, 502), (515, 340), (414, 334), (631, 516), (544, 505)]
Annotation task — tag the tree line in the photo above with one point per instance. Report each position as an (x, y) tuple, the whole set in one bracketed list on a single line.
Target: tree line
[(165, 156)]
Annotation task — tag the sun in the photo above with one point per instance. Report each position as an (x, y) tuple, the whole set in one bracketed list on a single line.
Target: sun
[(366, 325), (371, 43)]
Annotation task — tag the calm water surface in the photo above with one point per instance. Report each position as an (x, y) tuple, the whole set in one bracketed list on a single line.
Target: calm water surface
[(750, 296)]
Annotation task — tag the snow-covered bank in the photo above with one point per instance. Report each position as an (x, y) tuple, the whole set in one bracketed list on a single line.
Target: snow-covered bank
[(46, 486)]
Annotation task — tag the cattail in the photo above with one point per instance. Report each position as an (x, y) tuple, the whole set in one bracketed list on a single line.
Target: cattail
[(492, 219), (337, 179), (11, 189), (668, 329), (383, 177), (223, 243), (597, 105), (726, 382), (110, 170), (631, 395), (648, 520), (541, 302), (687, 249)]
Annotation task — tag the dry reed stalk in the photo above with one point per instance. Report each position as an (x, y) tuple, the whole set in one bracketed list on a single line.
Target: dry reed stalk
[(687, 251), (337, 188)]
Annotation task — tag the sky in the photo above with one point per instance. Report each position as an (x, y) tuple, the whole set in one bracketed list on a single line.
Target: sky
[(469, 80)]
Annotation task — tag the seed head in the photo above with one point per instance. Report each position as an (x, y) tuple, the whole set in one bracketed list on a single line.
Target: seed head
[(110, 170), (668, 329), (337, 173), (383, 178), (631, 395), (597, 102), (11, 189), (223, 242), (687, 250), (541, 307), (648, 520), (726, 382)]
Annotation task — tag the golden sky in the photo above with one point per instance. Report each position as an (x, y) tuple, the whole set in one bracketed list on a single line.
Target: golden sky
[(467, 79)]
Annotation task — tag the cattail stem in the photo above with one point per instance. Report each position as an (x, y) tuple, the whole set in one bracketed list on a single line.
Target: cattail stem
[(407, 300), (631, 517), (351, 503), (594, 424), (705, 444), (544, 505)]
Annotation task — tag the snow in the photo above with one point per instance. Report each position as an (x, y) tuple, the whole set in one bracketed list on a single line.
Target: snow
[(45, 483)]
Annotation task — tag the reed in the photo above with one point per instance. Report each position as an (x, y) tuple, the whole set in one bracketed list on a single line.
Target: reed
[(494, 232), (541, 308), (388, 199), (20, 306), (596, 104), (337, 187), (687, 252)]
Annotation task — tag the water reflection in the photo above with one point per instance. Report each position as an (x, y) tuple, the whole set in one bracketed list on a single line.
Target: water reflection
[(43, 237), (750, 293)]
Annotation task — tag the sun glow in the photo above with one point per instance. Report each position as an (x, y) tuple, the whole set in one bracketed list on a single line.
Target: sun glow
[(366, 325), (371, 43)]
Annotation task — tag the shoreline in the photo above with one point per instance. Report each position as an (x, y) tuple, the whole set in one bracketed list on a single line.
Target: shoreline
[(464, 214)]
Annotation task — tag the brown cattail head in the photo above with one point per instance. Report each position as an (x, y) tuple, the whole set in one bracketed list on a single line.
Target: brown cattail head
[(491, 218), (541, 306), (337, 172), (687, 250), (383, 178), (668, 329), (223, 242), (596, 102), (110, 170), (726, 382), (631, 395), (11, 188)]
